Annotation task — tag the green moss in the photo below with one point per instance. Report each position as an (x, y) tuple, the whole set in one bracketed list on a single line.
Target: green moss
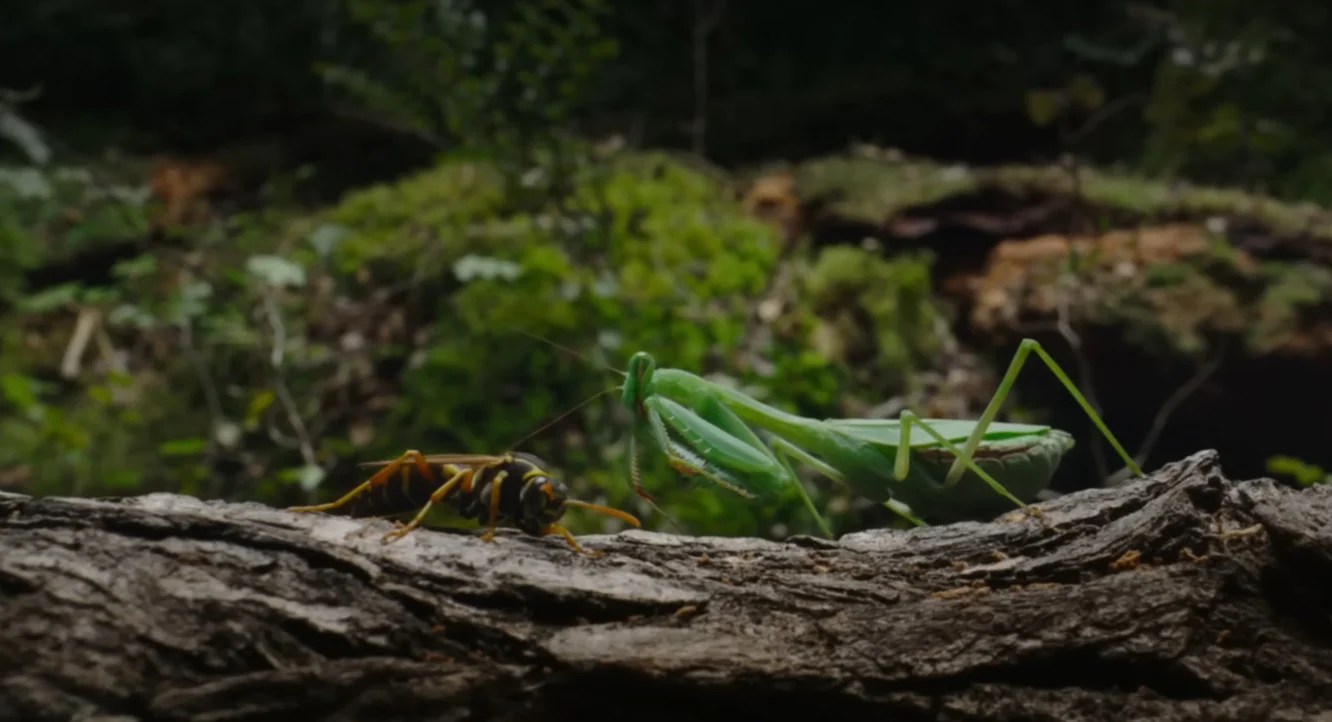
[(48, 216), (872, 190), (873, 186), (1293, 292), (883, 312), (1147, 197), (400, 318), (645, 252)]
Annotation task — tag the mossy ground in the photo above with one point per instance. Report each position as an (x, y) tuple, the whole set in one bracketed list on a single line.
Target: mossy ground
[(262, 355)]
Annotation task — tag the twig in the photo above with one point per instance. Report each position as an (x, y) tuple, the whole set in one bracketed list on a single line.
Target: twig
[(211, 400), (1163, 415), (1100, 116), (78, 343), (704, 23), (107, 351), (284, 396), (1065, 329)]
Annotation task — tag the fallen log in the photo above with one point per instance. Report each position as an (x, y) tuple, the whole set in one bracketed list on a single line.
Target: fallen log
[(1181, 596)]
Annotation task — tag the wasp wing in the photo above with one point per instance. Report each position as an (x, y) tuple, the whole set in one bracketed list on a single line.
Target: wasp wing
[(469, 459)]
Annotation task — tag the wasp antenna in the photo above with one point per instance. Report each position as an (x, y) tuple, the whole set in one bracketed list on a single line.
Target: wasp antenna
[(568, 350), (608, 511), (559, 418)]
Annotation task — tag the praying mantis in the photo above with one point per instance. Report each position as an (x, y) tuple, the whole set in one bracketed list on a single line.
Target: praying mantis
[(937, 469)]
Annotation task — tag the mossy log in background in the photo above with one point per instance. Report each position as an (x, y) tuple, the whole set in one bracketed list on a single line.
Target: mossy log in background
[(1181, 596)]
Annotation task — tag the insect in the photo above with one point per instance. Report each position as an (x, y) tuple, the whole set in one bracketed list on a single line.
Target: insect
[(513, 487), (934, 469)]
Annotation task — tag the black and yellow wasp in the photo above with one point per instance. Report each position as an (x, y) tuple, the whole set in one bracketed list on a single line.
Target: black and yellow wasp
[(513, 488)]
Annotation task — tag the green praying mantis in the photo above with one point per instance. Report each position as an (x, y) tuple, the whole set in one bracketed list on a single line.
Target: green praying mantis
[(937, 469)]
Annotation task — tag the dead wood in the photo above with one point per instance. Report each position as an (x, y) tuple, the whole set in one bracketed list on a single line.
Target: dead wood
[(1184, 596)]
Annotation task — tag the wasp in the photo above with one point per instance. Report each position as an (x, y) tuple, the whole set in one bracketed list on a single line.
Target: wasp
[(514, 488)]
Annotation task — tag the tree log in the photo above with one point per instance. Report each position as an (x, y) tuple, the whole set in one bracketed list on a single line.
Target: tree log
[(1182, 596)]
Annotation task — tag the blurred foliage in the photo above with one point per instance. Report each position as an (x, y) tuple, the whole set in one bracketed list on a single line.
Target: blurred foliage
[(1218, 91), (271, 351), (261, 354), (488, 74), (1304, 473)]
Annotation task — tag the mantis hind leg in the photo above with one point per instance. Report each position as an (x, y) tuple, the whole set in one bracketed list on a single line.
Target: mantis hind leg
[(903, 511), (1025, 349), (786, 448), (908, 421)]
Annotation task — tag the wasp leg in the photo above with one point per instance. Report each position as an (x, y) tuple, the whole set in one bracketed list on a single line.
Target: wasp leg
[(401, 530), (569, 537), (380, 477), (494, 506)]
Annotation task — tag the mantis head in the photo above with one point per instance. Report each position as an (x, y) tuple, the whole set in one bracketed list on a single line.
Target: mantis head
[(638, 381)]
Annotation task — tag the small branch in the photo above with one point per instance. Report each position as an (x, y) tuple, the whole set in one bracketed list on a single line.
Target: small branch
[(211, 400), (1101, 115), (88, 321), (284, 397), (1163, 415), (705, 21), (1074, 341)]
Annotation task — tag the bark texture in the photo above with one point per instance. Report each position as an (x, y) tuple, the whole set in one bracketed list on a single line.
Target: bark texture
[(1184, 596)]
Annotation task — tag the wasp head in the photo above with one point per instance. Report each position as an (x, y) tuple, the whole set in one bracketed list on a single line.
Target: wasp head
[(542, 501)]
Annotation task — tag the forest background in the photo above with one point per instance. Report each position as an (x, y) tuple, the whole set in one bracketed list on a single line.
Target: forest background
[(246, 246)]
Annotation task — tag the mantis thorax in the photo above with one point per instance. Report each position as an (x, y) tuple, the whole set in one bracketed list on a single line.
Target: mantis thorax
[(638, 382)]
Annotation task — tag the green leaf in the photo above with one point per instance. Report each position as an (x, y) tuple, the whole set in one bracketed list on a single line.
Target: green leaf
[(276, 271), (1085, 91), (471, 267), (258, 405), (19, 390), (135, 268), (119, 379), (1305, 474), (326, 238), (52, 299), (27, 183), (127, 479), (183, 447), (190, 302), (1043, 106), (101, 395), (23, 134), (309, 477), (127, 314)]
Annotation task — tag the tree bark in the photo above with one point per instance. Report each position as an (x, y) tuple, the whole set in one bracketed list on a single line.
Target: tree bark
[(1183, 596)]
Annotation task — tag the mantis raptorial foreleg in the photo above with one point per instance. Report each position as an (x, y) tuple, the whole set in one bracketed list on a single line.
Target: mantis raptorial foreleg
[(723, 444), (702, 460), (1025, 349)]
